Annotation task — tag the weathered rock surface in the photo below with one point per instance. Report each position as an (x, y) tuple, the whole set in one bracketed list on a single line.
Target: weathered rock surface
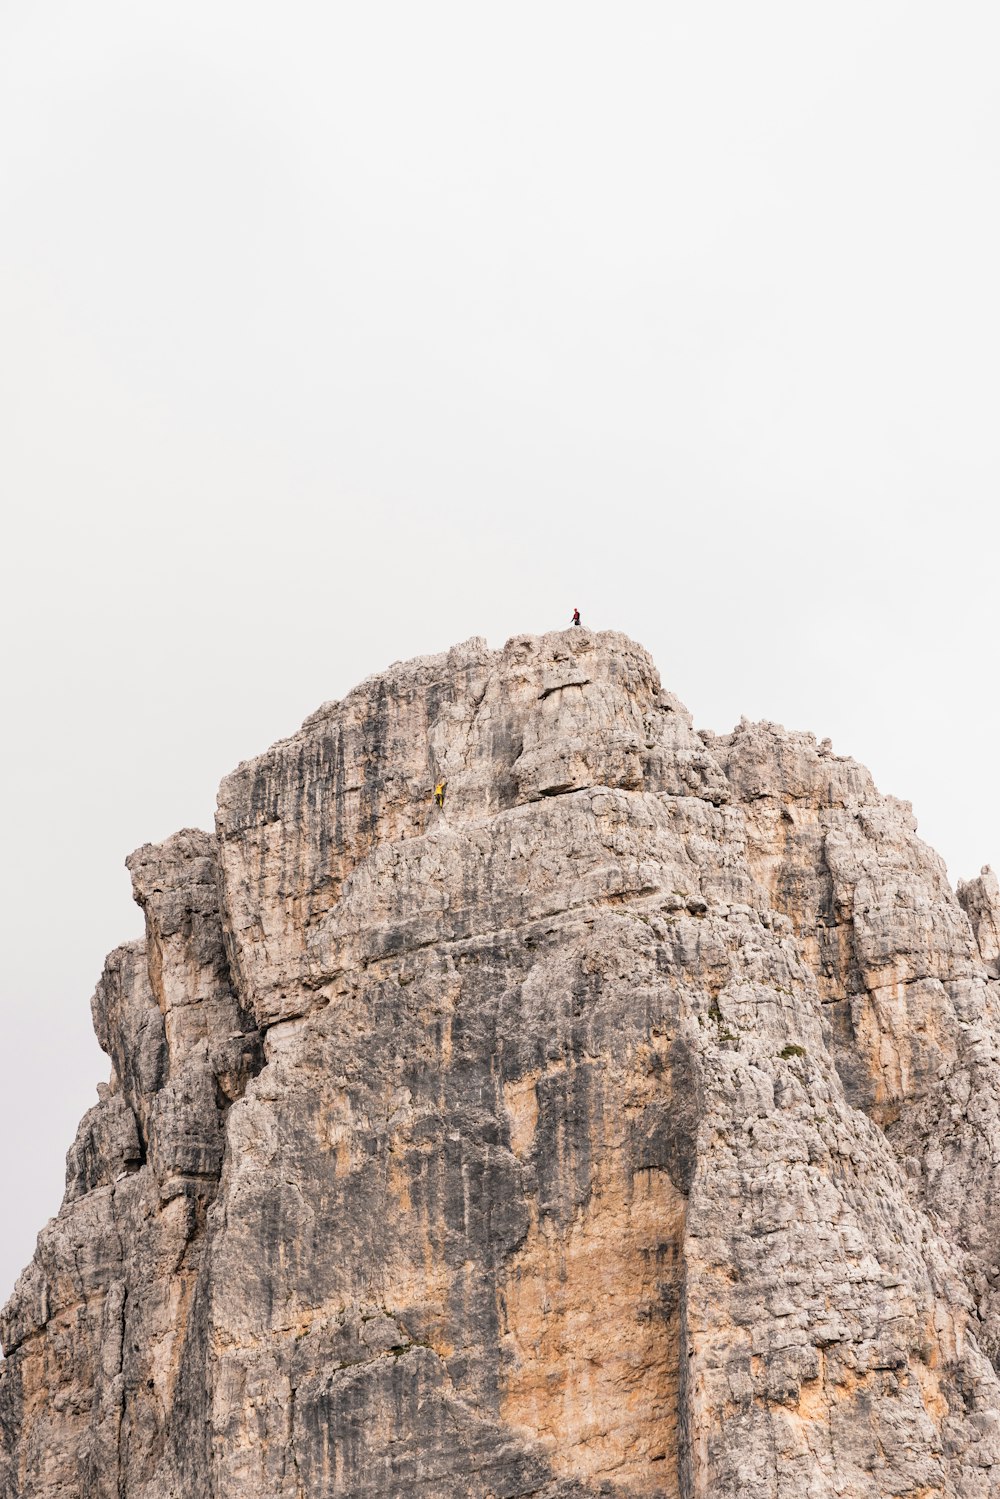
[(630, 1127)]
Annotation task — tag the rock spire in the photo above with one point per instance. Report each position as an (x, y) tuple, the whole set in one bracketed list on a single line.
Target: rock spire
[(628, 1126)]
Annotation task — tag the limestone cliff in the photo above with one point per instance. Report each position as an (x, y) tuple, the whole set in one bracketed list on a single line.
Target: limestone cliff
[(629, 1127)]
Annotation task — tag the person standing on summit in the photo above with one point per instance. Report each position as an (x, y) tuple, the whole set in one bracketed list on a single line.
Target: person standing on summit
[(576, 616)]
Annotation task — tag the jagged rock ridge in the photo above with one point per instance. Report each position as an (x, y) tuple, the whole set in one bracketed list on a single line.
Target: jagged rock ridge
[(632, 1127)]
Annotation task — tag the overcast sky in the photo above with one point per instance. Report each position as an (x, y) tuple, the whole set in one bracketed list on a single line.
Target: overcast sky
[(333, 334)]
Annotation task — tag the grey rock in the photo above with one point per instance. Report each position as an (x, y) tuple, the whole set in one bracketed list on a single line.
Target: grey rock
[(627, 1127)]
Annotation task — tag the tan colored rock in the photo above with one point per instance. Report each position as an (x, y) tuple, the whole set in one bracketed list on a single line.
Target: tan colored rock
[(624, 1128), (906, 986), (980, 899)]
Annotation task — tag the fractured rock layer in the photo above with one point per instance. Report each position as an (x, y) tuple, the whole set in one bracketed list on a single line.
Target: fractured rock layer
[(630, 1126)]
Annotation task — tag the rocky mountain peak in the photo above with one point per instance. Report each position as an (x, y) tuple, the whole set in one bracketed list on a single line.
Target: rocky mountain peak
[(627, 1125)]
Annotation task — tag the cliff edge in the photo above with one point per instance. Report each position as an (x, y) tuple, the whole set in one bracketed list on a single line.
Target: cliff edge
[(628, 1126)]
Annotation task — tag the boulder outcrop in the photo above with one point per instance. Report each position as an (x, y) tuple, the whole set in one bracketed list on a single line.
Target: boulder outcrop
[(629, 1126)]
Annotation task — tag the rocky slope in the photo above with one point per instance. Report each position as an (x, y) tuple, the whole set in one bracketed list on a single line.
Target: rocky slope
[(630, 1127)]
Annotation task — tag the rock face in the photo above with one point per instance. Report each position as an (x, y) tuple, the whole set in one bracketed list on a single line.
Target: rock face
[(630, 1126)]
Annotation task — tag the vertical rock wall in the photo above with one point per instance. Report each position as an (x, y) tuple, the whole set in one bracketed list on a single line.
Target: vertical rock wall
[(95, 1332), (627, 1128)]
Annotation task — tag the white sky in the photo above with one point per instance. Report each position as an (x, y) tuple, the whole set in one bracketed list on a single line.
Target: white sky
[(332, 334)]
